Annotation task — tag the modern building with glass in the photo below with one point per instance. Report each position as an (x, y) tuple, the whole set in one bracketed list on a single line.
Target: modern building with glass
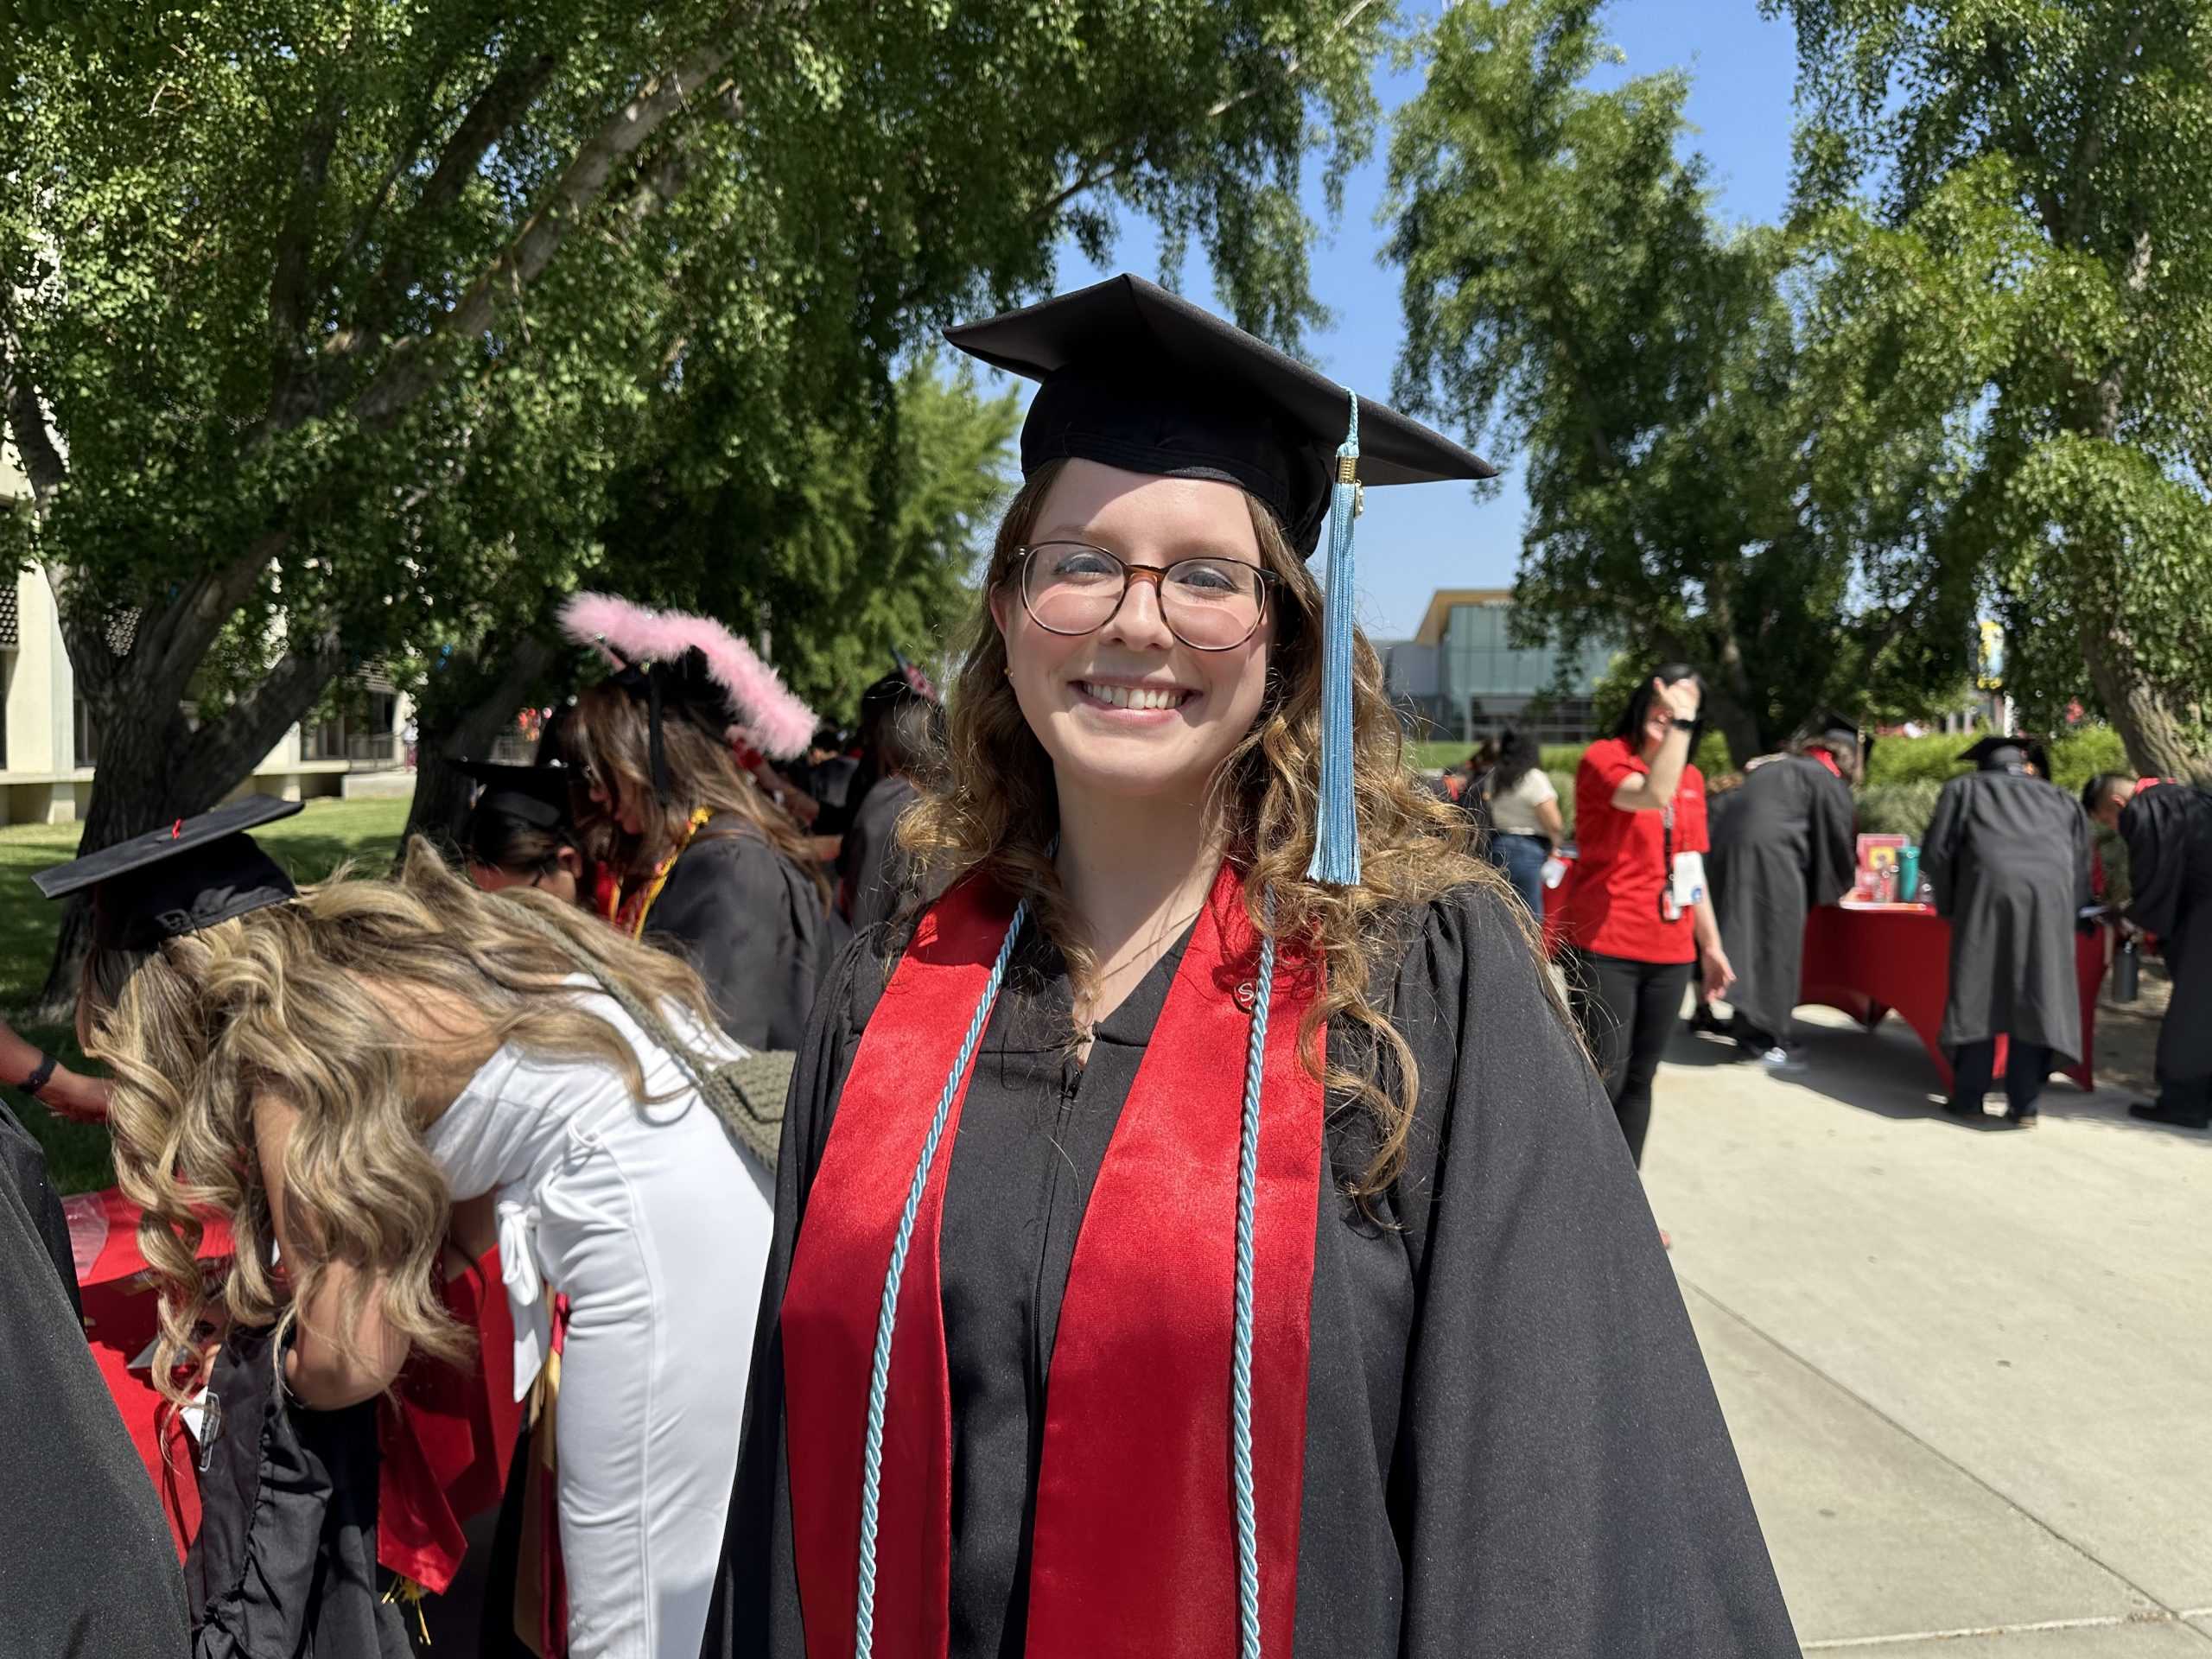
[(1461, 677)]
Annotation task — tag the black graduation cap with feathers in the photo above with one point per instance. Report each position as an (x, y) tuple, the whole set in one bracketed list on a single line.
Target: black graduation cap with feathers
[(168, 882)]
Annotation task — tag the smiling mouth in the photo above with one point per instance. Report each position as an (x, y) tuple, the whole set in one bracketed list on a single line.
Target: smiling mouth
[(1135, 697)]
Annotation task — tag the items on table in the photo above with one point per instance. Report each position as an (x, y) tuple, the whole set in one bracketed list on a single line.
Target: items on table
[(1881, 877)]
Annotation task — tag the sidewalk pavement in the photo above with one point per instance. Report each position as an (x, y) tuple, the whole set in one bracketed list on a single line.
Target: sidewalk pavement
[(1969, 1373)]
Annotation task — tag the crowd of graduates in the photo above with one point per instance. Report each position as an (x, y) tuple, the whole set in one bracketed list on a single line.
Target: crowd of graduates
[(1092, 1163), (1672, 879)]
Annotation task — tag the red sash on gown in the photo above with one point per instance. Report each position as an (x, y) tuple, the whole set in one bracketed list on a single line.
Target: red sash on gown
[(1133, 1543)]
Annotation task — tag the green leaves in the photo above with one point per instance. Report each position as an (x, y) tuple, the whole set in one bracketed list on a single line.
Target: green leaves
[(1718, 468), (390, 320), (2047, 168)]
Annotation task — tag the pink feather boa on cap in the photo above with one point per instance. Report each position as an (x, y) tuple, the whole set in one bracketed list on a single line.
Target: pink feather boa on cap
[(771, 718)]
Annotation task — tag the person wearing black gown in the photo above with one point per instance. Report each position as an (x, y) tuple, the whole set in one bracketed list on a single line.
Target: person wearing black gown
[(692, 855), (2168, 830), (874, 874), (2007, 855), (1783, 843), (1477, 1418)]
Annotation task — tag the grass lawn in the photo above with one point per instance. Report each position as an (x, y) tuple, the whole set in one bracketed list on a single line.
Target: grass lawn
[(310, 846)]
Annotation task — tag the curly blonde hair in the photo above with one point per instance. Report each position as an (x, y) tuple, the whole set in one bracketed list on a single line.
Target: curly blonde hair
[(277, 1002), (995, 812)]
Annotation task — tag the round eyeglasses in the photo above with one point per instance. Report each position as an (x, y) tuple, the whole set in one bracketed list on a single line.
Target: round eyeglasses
[(1210, 604)]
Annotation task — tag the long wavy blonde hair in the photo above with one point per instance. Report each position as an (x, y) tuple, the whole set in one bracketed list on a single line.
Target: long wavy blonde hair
[(996, 813), (277, 1003)]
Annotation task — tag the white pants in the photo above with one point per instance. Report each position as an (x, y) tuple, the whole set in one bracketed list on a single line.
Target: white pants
[(656, 1229)]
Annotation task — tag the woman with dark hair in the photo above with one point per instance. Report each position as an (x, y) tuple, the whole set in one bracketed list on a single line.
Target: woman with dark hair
[(1525, 825), (1199, 1231), (693, 857), (1638, 916), (520, 833)]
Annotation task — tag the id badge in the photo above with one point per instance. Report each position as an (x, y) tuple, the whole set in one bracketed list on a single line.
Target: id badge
[(1687, 885)]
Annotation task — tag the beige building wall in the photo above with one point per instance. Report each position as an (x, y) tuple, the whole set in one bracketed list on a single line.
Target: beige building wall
[(41, 781)]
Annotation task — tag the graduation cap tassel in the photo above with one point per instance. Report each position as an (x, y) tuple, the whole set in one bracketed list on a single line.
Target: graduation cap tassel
[(1336, 835), (658, 743)]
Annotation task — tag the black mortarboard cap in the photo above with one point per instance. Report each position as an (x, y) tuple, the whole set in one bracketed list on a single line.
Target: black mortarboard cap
[(1136, 377), (1839, 729), (194, 873), (1990, 752), (537, 795)]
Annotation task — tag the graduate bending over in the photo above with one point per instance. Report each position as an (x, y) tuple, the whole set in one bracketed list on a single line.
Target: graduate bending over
[(332, 1068), (1192, 1345)]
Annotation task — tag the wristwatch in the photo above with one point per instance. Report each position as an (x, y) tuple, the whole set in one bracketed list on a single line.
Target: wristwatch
[(44, 1075)]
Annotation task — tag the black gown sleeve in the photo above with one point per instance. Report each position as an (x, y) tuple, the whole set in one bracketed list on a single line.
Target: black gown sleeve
[(87, 1570), (2157, 859), (1563, 1482), (756, 1586), (752, 925), (1832, 859)]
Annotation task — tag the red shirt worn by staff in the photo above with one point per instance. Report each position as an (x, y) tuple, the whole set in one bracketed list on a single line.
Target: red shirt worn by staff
[(1622, 860)]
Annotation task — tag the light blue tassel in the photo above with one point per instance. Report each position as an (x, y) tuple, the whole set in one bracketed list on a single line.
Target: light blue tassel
[(1336, 832)]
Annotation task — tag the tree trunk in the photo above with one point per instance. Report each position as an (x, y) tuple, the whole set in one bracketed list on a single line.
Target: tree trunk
[(1739, 728), (2158, 743), (132, 791), (448, 736), (154, 770)]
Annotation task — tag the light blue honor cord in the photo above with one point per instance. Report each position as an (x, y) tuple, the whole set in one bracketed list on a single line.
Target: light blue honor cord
[(1240, 1369), (879, 1381)]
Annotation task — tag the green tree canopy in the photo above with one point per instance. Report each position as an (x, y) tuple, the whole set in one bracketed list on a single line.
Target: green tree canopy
[(1721, 467), (2045, 170), (315, 314)]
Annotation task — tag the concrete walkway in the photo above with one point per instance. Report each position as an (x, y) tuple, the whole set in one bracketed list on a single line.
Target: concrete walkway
[(1969, 1373)]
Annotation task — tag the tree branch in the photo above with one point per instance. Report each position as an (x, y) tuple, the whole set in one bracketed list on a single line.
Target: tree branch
[(25, 417), (2089, 141), (411, 372), (291, 282), (506, 98), (248, 729)]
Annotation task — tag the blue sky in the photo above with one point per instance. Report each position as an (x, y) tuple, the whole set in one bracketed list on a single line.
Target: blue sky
[(1415, 540)]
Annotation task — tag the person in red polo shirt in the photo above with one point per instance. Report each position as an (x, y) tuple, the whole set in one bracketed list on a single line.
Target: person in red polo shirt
[(1637, 918)]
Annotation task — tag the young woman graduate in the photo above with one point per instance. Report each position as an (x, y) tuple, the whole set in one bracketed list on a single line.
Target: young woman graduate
[(693, 856), (521, 832), (1100, 1321), (331, 1071)]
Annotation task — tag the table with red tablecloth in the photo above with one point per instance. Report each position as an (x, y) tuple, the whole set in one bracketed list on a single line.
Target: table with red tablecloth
[(1870, 961)]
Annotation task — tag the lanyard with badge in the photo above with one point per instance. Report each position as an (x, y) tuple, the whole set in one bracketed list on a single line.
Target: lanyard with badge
[(1682, 874)]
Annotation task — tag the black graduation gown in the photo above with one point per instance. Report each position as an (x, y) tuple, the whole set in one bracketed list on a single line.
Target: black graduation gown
[(1513, 1447), (869, 864), (285, 1561), (2168, 828), (1784, 845), (2008, 857), (751, 923), (86, 1567)]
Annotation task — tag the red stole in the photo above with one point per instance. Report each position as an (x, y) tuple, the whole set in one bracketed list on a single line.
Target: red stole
[(1134, 1545)]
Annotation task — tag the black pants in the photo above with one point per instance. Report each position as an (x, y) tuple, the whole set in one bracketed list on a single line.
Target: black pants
[(2027, 1068), (1626, 1010)]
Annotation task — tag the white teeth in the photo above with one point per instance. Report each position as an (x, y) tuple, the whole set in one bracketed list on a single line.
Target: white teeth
[(1123, 697)]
